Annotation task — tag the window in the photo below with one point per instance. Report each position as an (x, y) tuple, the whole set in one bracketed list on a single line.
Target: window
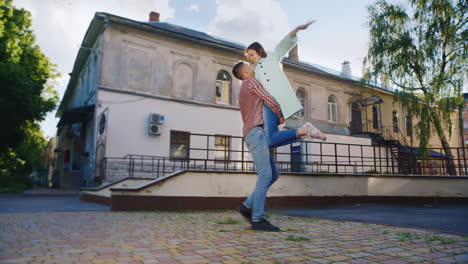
[(223, 88), (395, 121), (301, 96), (465, 124), (223, 147), (332, 109), (180, 142), (409, 126), (375, 117)]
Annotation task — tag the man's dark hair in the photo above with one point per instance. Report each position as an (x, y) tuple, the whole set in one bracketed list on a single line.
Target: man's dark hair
[(236, 70), (258, 48)]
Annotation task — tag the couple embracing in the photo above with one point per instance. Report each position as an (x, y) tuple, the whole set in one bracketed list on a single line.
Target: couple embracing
[(266, 99)]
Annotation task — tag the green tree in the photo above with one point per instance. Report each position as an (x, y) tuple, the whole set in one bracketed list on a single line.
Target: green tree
[(420, 47), (24, 71), (26, 92)]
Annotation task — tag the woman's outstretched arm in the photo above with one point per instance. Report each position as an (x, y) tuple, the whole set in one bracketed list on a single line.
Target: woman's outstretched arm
[(301, 27)]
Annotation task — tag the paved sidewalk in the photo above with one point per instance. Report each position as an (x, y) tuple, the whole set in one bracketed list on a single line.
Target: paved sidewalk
[(214, 237)]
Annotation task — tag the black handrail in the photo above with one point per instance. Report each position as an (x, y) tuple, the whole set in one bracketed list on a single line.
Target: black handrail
[(315, 157)]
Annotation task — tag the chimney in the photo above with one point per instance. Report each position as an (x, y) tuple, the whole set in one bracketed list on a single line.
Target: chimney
[(346, 68), (154, 16), (293, 54)]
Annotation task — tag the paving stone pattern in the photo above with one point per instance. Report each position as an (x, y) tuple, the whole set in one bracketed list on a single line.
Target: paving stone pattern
[(214, 237)]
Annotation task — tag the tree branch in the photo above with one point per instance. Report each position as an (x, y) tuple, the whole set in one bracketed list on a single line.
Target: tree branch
[(406, 87)]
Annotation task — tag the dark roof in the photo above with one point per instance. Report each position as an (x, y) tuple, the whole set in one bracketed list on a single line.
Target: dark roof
[(416, 151), (195, 34)]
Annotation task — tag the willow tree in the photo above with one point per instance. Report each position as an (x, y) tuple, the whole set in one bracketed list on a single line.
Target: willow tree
[(420, 47)]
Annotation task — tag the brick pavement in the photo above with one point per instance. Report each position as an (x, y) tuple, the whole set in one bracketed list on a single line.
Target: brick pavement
[(214, 237)]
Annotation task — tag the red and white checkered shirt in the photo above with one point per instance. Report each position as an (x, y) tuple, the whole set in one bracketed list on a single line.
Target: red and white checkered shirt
[(252, 96)]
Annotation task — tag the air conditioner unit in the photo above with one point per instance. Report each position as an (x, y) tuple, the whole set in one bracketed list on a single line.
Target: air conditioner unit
[(155, 129), (156, 119)]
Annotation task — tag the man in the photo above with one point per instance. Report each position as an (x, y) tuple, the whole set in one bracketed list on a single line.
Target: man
[(252, 97)]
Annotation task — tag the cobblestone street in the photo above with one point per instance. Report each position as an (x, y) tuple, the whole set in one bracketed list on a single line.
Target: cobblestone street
[(214, 237)]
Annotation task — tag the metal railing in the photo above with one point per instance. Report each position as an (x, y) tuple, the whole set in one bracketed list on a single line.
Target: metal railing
[(304, 156)]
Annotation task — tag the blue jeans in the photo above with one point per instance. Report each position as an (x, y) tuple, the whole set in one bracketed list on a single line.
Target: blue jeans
[(267, 174), (277, 138)]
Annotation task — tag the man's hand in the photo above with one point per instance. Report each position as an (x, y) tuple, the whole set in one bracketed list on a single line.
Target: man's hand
[(281, 120)]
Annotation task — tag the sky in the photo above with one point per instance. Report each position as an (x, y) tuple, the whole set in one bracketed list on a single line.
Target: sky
[(339, 33)]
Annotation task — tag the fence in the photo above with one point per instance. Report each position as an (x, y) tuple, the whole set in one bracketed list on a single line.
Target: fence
[(229, 153)]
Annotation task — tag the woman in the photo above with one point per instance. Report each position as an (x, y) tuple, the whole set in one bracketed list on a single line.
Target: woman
[(268, 71)]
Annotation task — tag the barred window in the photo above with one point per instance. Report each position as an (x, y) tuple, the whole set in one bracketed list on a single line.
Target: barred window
[(222, 147), (179, 146)]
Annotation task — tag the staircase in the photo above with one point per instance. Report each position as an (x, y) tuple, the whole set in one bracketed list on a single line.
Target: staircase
[(406, 163)]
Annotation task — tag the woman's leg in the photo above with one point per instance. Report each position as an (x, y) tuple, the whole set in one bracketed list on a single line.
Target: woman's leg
[(277, 138)]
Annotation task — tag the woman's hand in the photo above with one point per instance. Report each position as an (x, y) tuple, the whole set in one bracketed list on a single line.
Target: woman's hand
[(301, 27)]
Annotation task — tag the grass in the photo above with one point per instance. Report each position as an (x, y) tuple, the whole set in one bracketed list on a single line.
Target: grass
[(442, 240), (297, 239), (406, 236), (229, 221)]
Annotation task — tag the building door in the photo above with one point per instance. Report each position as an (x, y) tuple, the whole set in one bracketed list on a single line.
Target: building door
[(356, 118)]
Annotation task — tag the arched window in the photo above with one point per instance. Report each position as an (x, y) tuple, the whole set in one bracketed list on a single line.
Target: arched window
[(375, 117), (395, 121), (332, 109), (223, 88), (301, 96)]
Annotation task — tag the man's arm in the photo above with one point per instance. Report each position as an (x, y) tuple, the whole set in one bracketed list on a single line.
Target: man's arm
[(257, 88)]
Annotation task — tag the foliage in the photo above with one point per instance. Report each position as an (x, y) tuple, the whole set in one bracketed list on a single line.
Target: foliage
[(17, 164), (421, 49), (24, 71), (26, 78)]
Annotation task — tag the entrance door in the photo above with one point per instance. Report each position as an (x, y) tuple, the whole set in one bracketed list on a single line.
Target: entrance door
[(356, 119)]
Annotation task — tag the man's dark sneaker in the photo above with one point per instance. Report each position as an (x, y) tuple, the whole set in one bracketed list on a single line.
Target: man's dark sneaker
[(246, 212), (264, 225)]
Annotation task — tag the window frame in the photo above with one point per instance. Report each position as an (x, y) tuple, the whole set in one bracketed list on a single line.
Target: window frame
[(395, 123), (303, 102), (225, 148), (221, 84), (332, 105)]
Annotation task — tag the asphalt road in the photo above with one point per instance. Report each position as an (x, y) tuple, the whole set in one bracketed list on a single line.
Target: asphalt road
[(441, 217), (55, 203)]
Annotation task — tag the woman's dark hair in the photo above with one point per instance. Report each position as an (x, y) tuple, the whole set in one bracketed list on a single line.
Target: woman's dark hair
[(258, 48)]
